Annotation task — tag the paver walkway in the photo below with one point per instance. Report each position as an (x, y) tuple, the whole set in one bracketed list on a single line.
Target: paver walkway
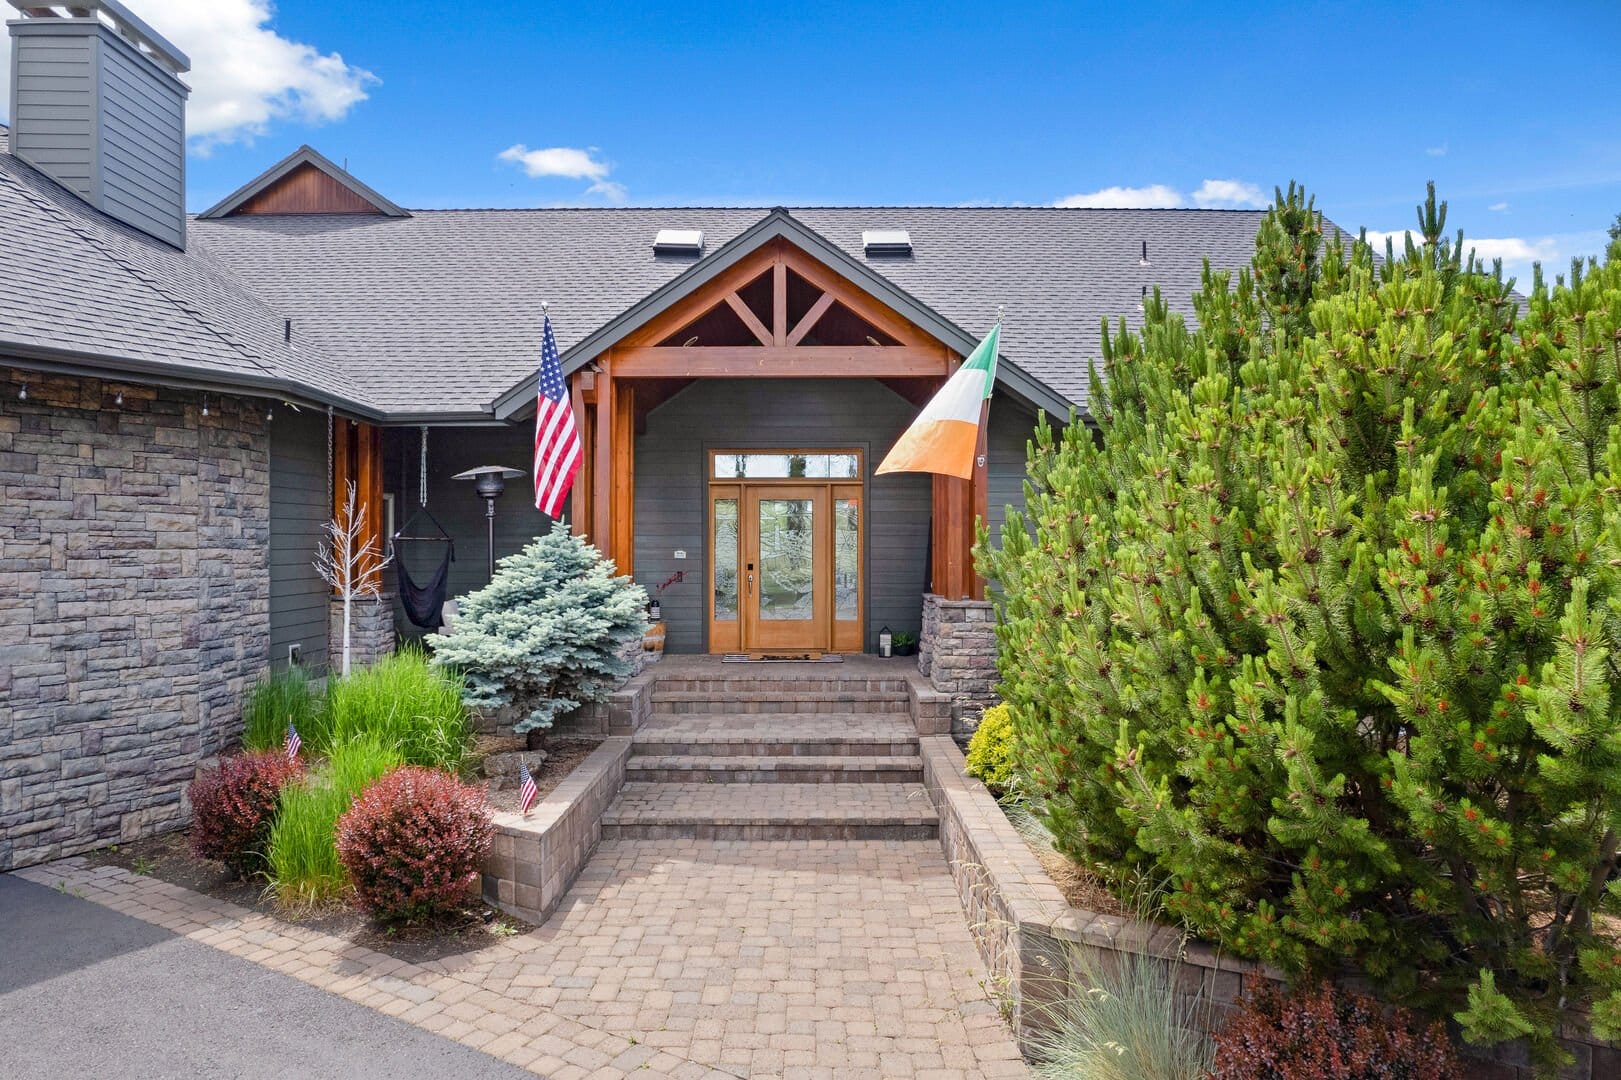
[(685, 958)]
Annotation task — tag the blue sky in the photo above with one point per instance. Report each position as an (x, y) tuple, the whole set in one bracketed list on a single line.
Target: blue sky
[(1504, 105)]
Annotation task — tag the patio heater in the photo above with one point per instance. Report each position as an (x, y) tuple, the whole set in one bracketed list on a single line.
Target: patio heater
[(488, 483)]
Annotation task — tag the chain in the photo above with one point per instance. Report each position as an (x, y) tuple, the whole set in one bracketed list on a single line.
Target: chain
[(329, 492), (423, 497)]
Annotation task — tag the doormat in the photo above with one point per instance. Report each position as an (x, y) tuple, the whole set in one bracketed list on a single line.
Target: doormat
[(782, 658)]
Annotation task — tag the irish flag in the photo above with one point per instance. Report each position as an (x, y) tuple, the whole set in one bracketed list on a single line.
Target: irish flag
[(943, 437)]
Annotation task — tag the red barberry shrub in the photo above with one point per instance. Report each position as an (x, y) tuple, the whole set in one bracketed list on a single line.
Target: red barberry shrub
[(413, 843), (233, 805), (1329, 1034)]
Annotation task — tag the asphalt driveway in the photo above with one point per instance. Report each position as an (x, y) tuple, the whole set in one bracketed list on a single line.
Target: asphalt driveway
[(86, 991)]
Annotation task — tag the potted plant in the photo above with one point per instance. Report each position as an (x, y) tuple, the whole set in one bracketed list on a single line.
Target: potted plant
[(905, 643)]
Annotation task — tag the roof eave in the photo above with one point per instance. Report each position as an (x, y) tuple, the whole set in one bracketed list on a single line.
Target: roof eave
[(52, 360), (780, 223)]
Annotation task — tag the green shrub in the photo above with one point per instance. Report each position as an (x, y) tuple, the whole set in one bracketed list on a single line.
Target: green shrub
[(1123, 1018), (303, 854), (279, 698), (1318, 625), (403, 702), (550, 632), (990, 750)]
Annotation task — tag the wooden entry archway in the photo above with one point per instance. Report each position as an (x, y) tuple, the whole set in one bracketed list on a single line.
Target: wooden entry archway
[(776, 313)]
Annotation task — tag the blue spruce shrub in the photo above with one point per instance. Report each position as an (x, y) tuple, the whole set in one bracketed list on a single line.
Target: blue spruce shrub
[(553, 630)]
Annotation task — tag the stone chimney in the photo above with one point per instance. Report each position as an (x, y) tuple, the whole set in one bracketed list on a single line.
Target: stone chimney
[(97, 104)]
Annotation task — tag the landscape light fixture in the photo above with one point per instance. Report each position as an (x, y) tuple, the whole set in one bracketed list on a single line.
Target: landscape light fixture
[(489, 481)]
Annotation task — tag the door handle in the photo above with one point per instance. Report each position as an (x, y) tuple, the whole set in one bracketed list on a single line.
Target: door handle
[(750, 588)]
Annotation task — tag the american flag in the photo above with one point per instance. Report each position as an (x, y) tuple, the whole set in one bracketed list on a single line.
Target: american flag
[(292, 743), (557, 440), (527, 791)]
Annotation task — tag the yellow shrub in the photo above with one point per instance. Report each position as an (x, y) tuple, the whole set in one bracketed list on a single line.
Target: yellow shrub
[(990, 751)]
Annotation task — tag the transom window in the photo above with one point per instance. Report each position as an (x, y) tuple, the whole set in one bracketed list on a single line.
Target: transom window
[(787, 466)]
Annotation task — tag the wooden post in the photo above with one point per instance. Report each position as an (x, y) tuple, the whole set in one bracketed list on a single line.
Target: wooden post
[(602, 462), (369, 495), (622, 536), (579, 506)]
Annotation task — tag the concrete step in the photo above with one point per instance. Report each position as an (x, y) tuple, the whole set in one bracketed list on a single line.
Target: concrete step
[(761, 769), (776, 735), (837, 811), (679, 702)]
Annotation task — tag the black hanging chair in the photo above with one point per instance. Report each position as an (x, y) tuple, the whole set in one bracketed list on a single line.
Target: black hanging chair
[(424, 604)]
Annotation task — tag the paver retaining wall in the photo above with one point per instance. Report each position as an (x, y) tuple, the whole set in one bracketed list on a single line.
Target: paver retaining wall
[(535, 859), (1037, 946)]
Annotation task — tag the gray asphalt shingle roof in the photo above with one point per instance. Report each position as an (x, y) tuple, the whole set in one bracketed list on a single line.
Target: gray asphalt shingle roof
[(441, 311), (77, 282)]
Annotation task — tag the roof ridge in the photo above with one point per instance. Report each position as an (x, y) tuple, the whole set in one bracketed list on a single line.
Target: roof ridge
[(823, 206)]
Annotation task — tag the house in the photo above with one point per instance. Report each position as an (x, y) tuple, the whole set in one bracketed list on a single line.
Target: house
[(183, 399)]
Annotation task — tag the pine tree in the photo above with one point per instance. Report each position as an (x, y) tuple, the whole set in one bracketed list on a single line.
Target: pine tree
[(549, 633), (1319, 625)]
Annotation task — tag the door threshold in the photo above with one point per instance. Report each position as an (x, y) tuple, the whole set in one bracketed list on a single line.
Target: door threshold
[(811, 657)]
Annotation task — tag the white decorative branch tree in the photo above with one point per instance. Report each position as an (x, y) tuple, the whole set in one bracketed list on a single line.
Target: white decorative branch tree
[(350, 561)]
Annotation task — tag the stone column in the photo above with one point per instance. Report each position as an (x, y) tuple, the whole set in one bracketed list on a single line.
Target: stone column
[(957, 652), (371, 632)]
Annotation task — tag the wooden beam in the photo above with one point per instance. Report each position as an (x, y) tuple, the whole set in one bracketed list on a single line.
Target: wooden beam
[(688, 308), (579, 505), (750, 320), (341, 472), (808, 323), (623, 486), (779, 301), (855, 299), (369, 495), (762, 361), (602, 474)]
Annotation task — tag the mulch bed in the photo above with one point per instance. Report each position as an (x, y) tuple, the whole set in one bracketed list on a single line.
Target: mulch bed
[(169, 858)]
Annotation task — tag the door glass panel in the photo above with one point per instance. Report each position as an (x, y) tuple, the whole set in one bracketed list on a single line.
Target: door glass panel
[(786, 466), (787, 545), (725, 549), (846, 558)]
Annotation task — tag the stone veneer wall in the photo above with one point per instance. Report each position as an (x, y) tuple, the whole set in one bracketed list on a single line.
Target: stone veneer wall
[(957, 653), (134, 603), (371, 631), (1038, 948)]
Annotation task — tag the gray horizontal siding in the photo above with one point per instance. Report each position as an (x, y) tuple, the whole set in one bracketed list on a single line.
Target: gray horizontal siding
[(1011, 429), (452, 450), (53, 105), (143, 144), (298, 509), (672, 496)]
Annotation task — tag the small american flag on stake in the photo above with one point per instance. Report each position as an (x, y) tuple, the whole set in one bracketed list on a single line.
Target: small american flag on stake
[(557, 440), (527, 791), (292, 743)]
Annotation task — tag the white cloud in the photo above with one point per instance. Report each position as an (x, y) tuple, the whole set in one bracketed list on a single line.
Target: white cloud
[(1228, 194), (1517, 252), (244, 76), (1210, 195), (1155, 196), (569, 163), (1437, 151), (1499, 207)]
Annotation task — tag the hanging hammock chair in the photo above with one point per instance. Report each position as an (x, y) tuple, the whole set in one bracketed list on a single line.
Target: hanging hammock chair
[(424, 604)]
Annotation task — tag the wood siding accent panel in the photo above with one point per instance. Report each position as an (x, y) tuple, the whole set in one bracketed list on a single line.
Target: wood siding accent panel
[(299, 601), (306, 190), (672, 503)]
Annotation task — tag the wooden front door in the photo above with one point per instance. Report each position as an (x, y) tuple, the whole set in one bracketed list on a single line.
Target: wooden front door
[(785, 553)]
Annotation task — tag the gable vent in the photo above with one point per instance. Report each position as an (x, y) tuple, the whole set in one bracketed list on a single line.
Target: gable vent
[(886, 241), (679, 242)]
